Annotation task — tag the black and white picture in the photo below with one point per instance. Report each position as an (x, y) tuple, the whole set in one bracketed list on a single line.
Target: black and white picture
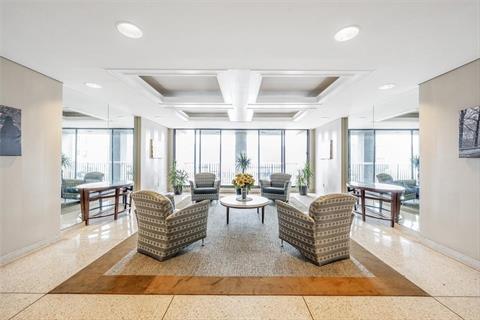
[(469, 133), (10, 131)]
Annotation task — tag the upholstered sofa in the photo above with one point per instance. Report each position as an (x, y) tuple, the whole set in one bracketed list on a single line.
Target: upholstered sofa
[(69, 186), (163, 231), (277, 188), (205, 187), (322, 234)]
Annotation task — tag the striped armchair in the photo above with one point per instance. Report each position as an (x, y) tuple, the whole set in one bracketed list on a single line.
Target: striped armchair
[(205, 187), (163, 232), (277, 188), (322, 235)]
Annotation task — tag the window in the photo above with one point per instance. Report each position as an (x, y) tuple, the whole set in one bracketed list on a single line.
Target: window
[(270, 152), (216, 151), (383, 151), (210, 151), (234, 143), (68, 153), (296, 152), (94, 152), (109, 151), (185, 151)]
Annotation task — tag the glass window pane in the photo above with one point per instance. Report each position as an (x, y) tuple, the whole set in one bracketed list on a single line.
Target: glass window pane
[(185, 151), (122, 153), (210, 151), (94, 152), (68, 153), (295, 152), (393, 153), (270, 152), (416, 155), (362, 153), (235, 142)]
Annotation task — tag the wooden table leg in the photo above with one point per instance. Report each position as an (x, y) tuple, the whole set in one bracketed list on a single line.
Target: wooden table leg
[(117, 200), (85, 194), (393, 208), (362, 196), (263, 214), (228, 214)]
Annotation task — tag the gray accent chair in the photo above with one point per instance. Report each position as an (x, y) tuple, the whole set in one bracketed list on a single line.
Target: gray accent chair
[(277, 188), (163, 231), (323, 234), (205, 187), (410, 185), (69, 186)]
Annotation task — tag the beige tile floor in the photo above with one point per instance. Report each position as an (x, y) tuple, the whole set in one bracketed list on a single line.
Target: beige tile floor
[(455, 288)]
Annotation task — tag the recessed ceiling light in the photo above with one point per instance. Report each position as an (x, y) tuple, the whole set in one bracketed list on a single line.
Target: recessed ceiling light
[(129, 30), (387, 86), (93, 85), (347, 33)]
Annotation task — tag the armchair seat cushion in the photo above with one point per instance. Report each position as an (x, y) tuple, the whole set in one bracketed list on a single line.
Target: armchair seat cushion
[(205, 190), (274, 190)]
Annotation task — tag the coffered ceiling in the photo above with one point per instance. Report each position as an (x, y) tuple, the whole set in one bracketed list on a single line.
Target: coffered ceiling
[(261, 64)]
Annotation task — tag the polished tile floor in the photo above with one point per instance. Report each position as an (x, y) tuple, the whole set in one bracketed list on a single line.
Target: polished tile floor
[(454, 287)]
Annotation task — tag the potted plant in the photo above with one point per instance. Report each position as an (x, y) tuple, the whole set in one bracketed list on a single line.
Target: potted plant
[(243, 182), (177, 178), (303, 179), (241, 163)]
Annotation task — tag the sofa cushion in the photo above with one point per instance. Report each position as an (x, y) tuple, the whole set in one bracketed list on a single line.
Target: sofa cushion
[(205, 190), (274, 190)]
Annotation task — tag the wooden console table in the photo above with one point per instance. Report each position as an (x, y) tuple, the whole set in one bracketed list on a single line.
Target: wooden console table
[(103, 190), (375, 192)]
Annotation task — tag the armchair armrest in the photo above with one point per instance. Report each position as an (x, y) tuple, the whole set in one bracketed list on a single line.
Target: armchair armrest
[(285, 209), (286, 186), (192, 212), (216, 184), (192, 184), (264, 183)]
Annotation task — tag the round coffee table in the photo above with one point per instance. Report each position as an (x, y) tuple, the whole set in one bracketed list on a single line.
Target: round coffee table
[(257, 202)]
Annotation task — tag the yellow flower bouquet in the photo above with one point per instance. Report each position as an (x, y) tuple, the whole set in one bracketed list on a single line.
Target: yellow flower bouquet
[(243, 180)]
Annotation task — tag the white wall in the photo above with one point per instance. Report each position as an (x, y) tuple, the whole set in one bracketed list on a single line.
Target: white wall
[(329, 174), (30, 184), (153, 172), (450, 186)]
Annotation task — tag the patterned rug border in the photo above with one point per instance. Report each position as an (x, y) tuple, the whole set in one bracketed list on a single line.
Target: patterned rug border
[(92, 280)]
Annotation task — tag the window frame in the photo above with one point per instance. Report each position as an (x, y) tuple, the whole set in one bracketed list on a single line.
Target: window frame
[(197, 131)]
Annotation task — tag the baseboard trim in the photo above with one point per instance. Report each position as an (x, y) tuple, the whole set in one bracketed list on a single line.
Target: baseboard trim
[(440, 248), (466, 260), (20, 253)]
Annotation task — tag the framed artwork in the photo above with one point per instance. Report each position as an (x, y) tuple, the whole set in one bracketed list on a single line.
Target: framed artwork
[(10, 131), (469, 133)]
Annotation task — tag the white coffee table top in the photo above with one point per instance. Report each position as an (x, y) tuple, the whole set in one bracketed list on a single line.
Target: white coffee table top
[(256, 202)]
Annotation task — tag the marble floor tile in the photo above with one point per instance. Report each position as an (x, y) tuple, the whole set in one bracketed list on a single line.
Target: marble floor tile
[(237, 307), (466, 307), (432, 271), (105, 307), (13, 303), (44, 269), (368, 308)]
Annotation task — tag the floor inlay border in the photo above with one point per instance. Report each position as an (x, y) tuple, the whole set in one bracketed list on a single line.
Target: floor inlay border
[(92, 280)]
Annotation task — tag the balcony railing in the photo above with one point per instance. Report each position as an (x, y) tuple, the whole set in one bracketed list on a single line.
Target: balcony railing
[(365, 171), (228, 173), (121, 170)]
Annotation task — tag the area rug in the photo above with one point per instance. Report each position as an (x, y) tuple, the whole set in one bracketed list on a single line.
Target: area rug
[(242, 258)]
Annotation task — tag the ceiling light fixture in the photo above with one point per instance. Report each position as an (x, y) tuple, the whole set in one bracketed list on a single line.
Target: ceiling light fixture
[(347, 33), (387, 86), (93, 85), (129, 30)]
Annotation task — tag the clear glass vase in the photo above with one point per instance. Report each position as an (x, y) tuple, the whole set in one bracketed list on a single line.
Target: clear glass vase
[(244, 193)]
